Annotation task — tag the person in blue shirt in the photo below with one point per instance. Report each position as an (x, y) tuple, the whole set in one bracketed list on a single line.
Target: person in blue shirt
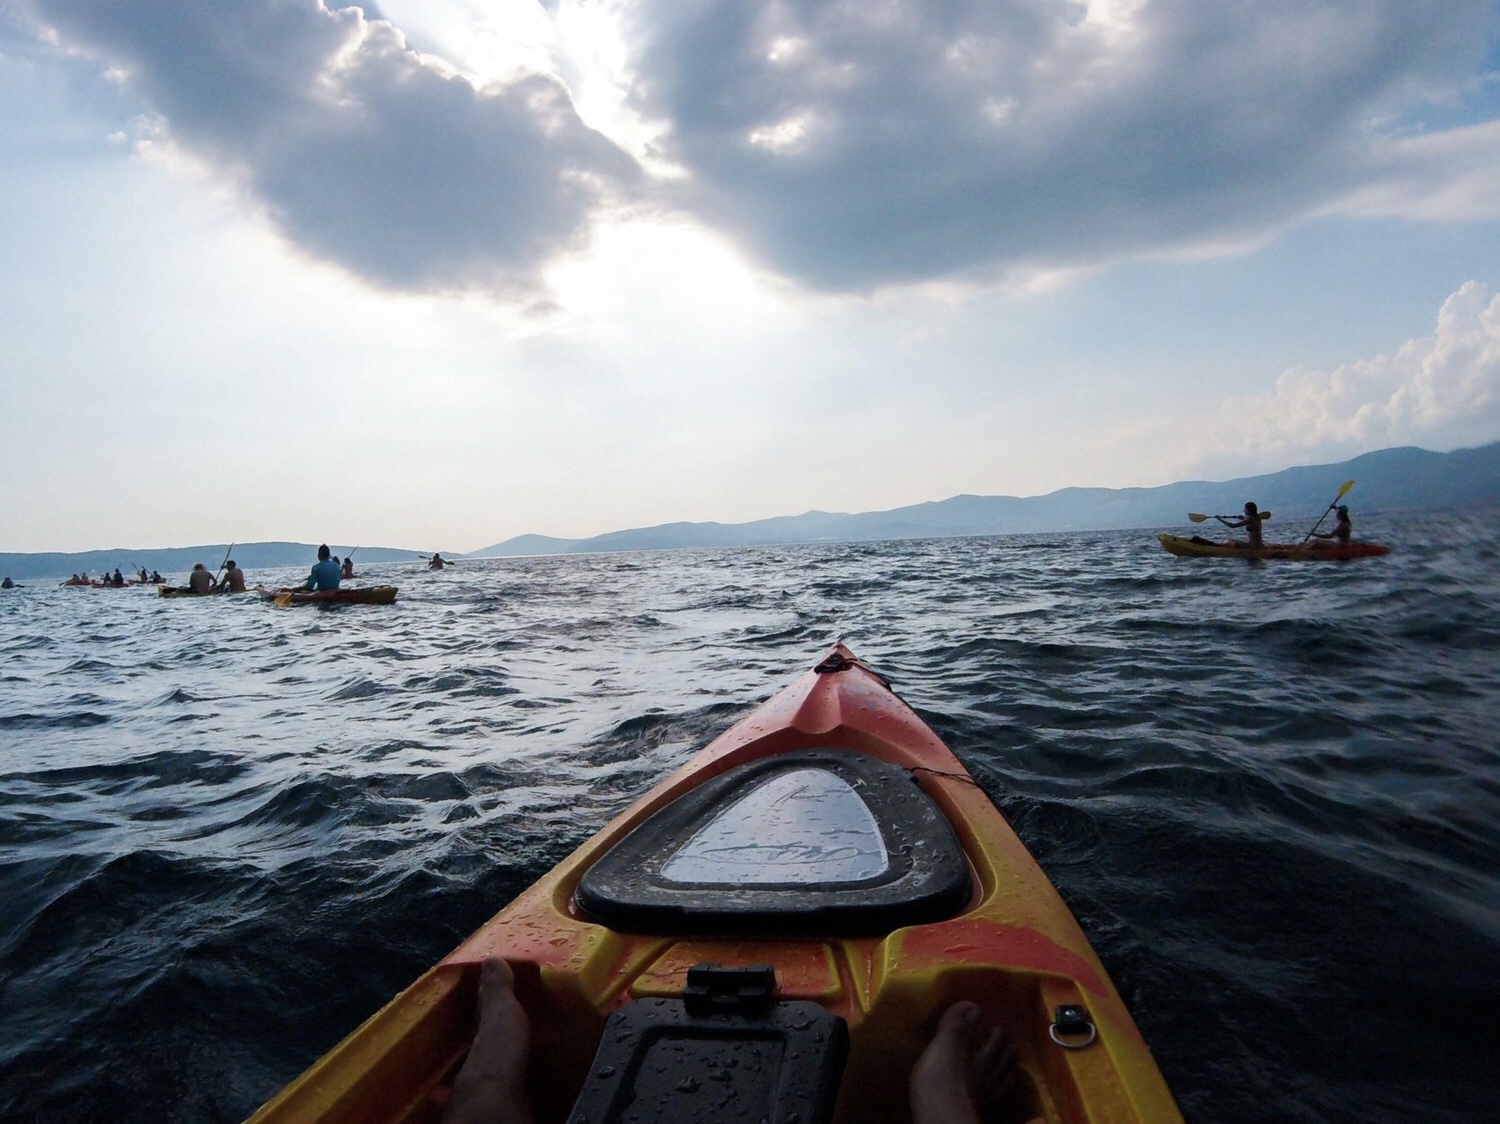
[(325, 575)]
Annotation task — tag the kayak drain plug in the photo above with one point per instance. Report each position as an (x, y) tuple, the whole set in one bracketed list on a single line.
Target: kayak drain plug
[(1071, 1028)]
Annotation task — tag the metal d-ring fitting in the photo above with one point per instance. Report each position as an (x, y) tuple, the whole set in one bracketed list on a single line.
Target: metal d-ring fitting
[(1069, 1022)]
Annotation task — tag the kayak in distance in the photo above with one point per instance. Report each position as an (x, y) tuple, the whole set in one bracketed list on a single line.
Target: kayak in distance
[(188, 591), (771, 934), (362, 595), (1196, 547)]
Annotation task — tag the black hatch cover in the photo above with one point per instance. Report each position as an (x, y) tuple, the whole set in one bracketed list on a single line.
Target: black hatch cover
[(818, 842)]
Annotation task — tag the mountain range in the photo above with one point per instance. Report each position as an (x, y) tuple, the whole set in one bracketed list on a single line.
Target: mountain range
[(1388, 480)]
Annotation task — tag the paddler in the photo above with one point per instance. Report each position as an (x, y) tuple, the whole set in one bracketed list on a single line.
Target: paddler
[(233, 580), (1251, 521), (7, 583), (200, 580), (964, 1076), (1343, 530), (325, 574), (437, 562), (348, 570)]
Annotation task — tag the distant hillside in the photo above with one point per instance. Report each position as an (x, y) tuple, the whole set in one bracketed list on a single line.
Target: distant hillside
[(1391, 479), (179, 560)]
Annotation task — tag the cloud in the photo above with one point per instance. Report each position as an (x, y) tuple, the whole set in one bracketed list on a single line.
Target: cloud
[(847, 146), (1440, 391), (361, 150), (856, 145)]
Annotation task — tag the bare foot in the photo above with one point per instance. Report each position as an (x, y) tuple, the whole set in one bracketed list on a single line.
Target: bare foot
[(965, 1075), (491, 1085)]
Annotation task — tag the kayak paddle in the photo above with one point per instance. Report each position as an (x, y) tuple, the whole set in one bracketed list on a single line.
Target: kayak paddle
[(1198, 517), (1344, 491), (227, 553)]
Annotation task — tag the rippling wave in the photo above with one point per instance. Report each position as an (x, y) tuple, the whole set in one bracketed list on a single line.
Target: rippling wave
[(230, 831)]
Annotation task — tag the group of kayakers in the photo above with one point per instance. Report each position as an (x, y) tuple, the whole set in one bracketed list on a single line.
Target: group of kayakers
[(117, 579), (326, 574), (200, 581), (1343, 528)]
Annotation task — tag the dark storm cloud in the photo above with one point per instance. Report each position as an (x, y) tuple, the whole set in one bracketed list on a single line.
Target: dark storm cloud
[(859, 143), (362, 152), (845, 144)]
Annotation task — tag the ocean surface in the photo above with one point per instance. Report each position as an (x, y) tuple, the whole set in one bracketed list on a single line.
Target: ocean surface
[(1270, 792)]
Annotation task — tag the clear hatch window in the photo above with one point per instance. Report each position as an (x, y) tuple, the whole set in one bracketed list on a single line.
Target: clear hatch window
[(802, 826)]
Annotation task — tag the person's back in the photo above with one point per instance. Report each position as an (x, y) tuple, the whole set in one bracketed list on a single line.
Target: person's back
[(200, 580), (1343, 530), (325, 574), (7, 583), (234, 578), (348, 570)]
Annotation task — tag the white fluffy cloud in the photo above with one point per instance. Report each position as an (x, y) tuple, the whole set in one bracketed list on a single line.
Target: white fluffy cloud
[(848, 146), (1440, 391)]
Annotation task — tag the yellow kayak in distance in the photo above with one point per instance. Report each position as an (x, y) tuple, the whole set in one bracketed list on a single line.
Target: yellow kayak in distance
[(825, 877)]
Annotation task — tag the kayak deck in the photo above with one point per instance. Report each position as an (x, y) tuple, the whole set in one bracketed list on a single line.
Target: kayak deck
[(1320, 551), (1008, 943)]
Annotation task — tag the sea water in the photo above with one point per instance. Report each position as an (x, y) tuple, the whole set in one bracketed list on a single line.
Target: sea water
[(1270, 792)]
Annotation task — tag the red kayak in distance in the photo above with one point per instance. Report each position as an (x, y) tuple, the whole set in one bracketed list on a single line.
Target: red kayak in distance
[(1196, 547)]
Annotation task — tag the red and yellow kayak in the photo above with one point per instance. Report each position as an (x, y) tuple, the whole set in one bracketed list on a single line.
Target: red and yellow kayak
[(1319, 551), (931, 897), (344, 595)]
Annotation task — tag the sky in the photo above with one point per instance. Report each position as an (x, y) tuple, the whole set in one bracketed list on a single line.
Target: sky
[(434, 273)]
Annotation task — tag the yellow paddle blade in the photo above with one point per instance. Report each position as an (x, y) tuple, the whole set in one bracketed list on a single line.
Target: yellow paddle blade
[(1199, 517), (283, 599), (1344, 491)]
